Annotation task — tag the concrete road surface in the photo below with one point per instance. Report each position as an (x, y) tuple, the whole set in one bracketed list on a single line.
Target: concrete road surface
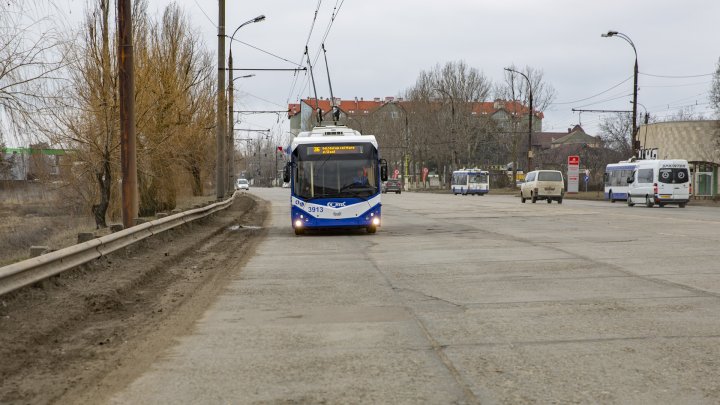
[(463, 300)]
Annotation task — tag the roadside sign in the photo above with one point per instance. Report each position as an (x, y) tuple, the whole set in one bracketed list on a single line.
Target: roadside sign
[(573, 173)]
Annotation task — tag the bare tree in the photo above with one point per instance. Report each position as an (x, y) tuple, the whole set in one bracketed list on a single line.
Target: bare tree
[(715, 90), (174, 105), (616, 132), (517, 88), (86, 113), (173, 119), (444, 131), (29, 60)]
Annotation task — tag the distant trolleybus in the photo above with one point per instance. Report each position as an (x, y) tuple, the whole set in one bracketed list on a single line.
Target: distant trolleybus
[(615, 179), (470, 181), (335, 175)]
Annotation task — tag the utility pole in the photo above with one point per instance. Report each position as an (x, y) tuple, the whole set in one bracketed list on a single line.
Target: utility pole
[(128, 159), (220, 130), (634, 137), (230, 146), (231, 125)]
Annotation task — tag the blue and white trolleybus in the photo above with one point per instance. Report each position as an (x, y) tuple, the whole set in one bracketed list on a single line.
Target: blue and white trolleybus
[(615, 179), (335, 175), (470, 181)]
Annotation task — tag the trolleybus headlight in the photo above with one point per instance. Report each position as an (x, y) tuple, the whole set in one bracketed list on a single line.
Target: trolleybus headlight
[(298, 223), (376, 221)]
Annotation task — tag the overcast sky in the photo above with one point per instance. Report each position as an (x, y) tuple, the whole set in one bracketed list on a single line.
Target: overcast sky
[(377, 48)]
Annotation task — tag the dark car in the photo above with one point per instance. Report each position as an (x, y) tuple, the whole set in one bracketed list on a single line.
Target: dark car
[(392, 185)]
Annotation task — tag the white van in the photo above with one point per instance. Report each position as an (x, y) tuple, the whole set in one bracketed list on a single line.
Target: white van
[(545, 185), (659, 182)]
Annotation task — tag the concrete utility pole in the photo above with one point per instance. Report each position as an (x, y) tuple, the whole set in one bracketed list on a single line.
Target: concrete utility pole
[(627, 39), (128, 159), (231, 126), (231, 101), (221, 132)]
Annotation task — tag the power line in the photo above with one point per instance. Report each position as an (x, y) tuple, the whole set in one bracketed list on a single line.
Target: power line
[(205, 14), (677, 77), (588, 98), (266, 52), (606, 100), (680, 85), (307, 41), (262, 99), (678, 100), (336, 11)]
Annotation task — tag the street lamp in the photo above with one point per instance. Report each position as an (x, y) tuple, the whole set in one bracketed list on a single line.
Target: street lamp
[(231, 123), (529, 166), (635, 85), (243, 77)]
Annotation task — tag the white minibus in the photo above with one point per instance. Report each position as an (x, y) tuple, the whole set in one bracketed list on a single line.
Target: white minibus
[(660, 182)]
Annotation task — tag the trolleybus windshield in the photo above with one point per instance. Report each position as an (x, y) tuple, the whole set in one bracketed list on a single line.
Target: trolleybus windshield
[(336, 171)]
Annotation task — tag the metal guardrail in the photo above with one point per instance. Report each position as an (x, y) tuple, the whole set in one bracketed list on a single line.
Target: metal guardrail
[(27, 272)]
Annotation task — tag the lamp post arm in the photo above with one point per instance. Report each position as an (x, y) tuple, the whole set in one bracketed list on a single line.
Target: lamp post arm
[(530, 116), (634, 142)]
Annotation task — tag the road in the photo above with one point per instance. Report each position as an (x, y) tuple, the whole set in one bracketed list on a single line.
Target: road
[(462, 300)]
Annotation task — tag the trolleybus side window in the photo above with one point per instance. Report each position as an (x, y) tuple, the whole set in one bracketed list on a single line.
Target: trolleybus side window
[(460, 178)]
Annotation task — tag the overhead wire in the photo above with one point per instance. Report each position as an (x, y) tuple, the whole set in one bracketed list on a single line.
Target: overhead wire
[(266, 52), (205, 14), (606, 100), (676, 77), (593, 96), (677, 85), (307, 41), (333, 16)]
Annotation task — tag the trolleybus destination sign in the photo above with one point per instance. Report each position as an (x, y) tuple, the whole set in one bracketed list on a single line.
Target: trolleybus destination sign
[(334, 149)]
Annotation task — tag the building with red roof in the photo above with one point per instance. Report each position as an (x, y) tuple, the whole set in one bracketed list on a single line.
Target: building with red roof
[(303, 115)]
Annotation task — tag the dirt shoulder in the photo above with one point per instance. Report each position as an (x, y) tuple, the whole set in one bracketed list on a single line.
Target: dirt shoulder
[(82, 335)]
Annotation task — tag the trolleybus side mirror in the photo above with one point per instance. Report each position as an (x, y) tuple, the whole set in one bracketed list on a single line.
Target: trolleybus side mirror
[(383, 170), (286, 173), (630, 180)]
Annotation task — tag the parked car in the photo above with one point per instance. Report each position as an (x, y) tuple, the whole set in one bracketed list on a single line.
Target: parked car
[(242, 184), (543, 185), (392, 185)]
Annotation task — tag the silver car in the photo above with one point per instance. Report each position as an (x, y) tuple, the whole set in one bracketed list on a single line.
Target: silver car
[(242, 184)]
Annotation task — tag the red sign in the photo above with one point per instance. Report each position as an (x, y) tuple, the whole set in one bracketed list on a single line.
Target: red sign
[(573, 160), (425, 172)]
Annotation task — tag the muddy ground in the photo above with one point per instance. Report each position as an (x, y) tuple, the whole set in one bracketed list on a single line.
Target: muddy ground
[(92, 330)]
